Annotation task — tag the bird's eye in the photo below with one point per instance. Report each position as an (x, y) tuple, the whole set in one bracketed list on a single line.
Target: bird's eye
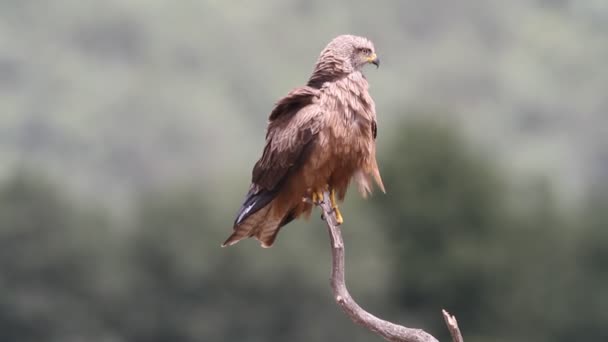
[(365, 51)]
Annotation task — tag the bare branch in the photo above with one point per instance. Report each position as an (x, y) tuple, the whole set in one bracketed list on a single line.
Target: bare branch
[(452, 324), (389, 331)]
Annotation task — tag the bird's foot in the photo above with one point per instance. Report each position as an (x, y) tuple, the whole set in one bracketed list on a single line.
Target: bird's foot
[(339, 218), (334, 206), (317, 197)]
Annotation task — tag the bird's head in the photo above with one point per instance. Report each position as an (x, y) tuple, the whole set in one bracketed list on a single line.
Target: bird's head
[(352, 51), (343, 55)]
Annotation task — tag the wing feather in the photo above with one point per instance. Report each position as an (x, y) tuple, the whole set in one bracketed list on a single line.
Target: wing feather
[(293, 127)]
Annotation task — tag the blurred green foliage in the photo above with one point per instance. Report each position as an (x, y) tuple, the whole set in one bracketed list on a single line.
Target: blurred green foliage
[(459, 244), (117, 96), (136, 124), (454, 235)]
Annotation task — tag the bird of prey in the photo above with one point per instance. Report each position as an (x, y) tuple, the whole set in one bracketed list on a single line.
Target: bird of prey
[(319, 137)]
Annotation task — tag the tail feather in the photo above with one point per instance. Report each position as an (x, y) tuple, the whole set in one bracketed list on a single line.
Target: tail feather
[(252, 213), (264, 225), (268, 233), (248, 227)]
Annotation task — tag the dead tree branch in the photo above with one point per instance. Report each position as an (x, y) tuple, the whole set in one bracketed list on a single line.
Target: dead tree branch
[(452, 324), (389, 331)]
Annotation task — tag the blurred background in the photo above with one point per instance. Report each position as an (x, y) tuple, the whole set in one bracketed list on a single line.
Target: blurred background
[(128, 130)]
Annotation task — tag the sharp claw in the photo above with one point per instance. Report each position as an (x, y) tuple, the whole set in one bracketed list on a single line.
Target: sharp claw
[(317, 197), (334, 206), (339, 218)]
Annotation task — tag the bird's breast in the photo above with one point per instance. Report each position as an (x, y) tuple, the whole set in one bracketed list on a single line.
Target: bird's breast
[(349, 114), (349, 141)]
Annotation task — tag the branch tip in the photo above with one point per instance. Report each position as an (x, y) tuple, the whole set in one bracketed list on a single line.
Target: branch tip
[(452, 324)]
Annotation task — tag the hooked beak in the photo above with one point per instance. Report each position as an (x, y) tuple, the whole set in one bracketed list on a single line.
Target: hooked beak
[(374, 60)]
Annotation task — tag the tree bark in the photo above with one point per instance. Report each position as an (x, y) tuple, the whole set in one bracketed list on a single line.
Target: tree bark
[(389, 331)]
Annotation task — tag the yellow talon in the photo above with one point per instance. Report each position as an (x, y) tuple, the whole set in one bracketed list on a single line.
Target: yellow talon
[(334, 206), (339, 218), (317, 197)]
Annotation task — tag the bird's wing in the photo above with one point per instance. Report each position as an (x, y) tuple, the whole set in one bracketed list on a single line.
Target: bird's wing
[(292, 130), (292, 127)]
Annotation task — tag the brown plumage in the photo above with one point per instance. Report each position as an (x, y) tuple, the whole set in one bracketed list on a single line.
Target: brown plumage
[(319, 137)]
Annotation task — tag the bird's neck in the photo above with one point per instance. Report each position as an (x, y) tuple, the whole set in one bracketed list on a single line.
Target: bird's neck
[(327, 70)]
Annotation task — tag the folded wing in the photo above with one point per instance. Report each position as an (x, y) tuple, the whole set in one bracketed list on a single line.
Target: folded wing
[(292, 131)]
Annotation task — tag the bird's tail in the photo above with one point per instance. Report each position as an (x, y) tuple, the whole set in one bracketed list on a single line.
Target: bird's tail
[(264, 225)]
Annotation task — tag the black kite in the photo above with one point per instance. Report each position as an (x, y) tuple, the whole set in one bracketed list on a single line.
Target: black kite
[(319, 137)]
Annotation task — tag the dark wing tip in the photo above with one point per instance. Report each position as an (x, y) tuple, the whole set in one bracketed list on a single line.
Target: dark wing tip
[(255, 200)]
